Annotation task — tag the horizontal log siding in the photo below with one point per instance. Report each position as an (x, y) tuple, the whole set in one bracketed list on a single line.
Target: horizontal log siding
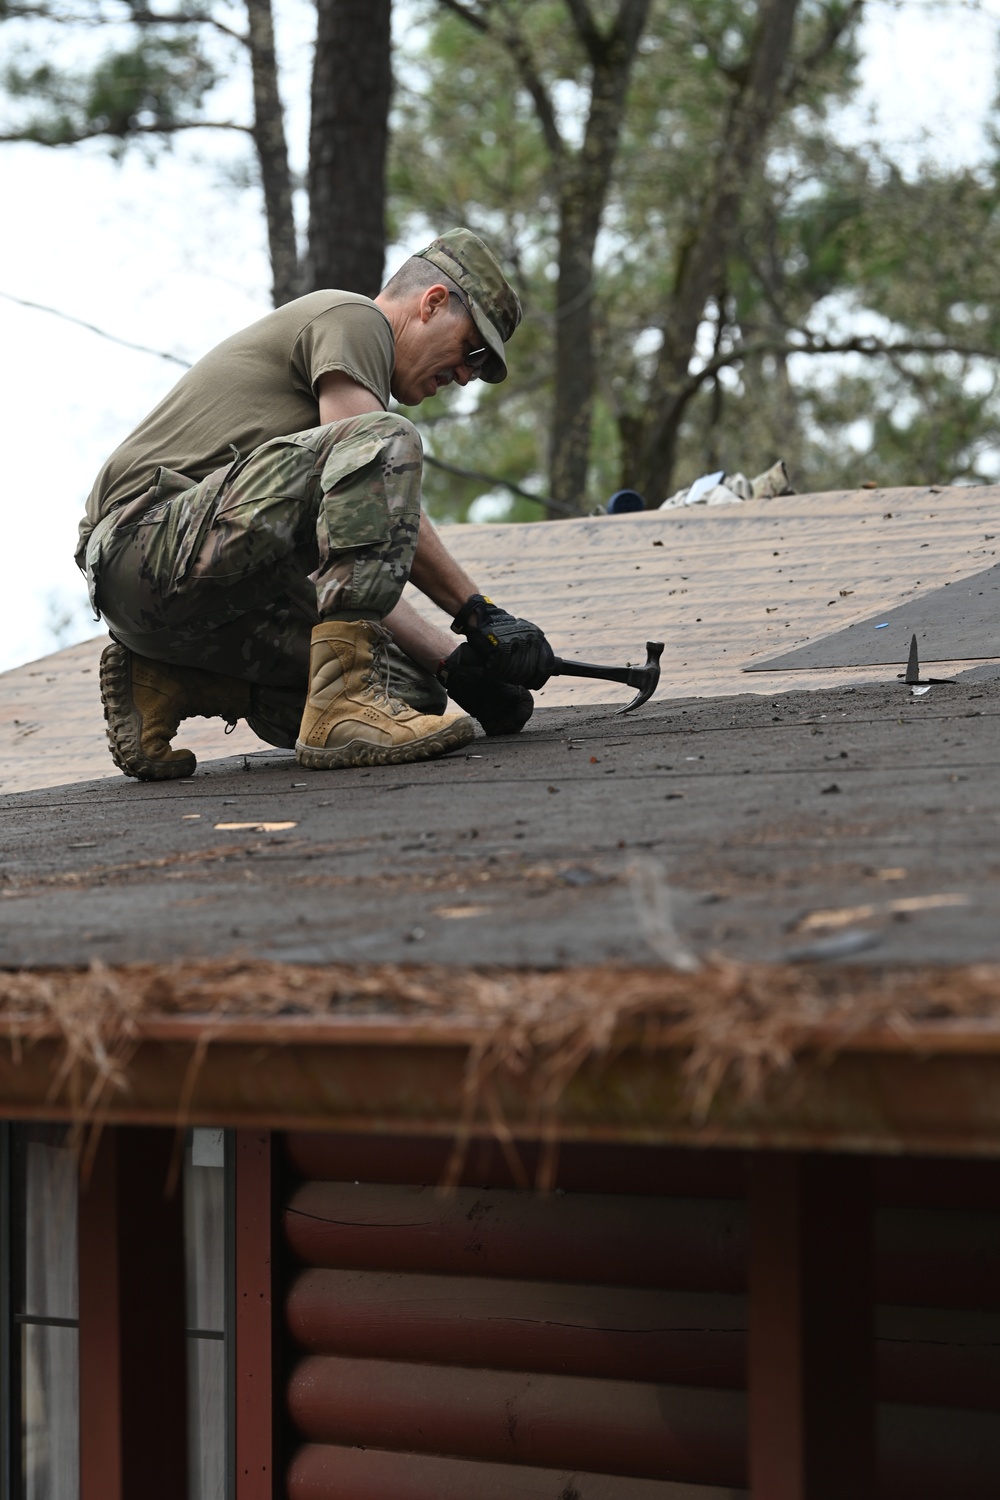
[(692, 1338), (698, 1244), (590, 1168), (553, 1421), (320, 1471), (924, 1355), (502, 1343)]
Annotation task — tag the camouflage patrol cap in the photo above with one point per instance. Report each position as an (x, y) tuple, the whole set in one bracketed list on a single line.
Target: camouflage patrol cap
[(493, 302)]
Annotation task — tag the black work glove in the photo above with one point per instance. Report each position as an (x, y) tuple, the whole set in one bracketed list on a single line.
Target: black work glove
[(509, 649), (500, 707)]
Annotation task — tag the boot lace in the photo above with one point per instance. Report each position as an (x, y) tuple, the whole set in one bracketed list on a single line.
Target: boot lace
[(378, 678)]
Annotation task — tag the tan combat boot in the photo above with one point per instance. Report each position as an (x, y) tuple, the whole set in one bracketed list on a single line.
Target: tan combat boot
[(350, 717), (144, 703)]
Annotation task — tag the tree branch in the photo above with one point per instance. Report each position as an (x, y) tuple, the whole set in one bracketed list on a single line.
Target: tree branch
[(179, 18), (494, 479), (92, 328), (15, 12), (865, 344), (37, 13), (623, 34), (587, 30), (138, 15), (629, 23), (35, 137), (532, 80), (519, 50), (838, 22), (480, 23)]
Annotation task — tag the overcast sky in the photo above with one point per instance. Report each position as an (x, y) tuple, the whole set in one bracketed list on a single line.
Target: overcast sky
[(168, 255)]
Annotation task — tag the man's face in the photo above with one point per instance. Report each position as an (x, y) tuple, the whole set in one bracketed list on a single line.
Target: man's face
[(432, 346)]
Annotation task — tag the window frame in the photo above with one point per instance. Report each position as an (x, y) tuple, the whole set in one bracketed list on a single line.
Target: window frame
[(229, 1305), (10, 1375), (11, 1278)]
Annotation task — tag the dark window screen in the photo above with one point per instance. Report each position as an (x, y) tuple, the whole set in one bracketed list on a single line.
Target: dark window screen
[(44, 1343), (205, 1213)]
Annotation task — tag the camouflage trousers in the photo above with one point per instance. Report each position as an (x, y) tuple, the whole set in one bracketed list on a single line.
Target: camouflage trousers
[(232, 574)]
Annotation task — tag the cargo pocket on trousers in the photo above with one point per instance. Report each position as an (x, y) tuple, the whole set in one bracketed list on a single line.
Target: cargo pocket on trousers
[(354, 510), (92, 561)]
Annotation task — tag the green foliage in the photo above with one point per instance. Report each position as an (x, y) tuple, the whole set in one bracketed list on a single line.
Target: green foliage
[(468, 149), (925, 425), (153, 83), (78, 70), (832, 241)]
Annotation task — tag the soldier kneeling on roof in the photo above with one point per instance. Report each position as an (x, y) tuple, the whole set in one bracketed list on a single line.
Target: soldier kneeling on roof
[(248, 544)]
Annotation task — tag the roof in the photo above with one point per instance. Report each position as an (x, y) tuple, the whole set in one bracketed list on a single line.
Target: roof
[(821, 860), (722, 587)]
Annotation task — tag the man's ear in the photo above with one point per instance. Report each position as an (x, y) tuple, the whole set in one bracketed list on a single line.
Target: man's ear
[(432, 300)]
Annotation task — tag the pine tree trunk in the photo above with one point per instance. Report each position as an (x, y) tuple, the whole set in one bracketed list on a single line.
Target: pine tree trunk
[(272, 153), (586, 181), (351, 91), (702, 262), (573, 405)]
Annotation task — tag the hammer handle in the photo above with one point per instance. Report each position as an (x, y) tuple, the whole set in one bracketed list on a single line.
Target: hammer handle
[(632, 676)]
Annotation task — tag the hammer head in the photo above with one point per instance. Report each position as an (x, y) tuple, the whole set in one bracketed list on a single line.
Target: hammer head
[(645, 678)]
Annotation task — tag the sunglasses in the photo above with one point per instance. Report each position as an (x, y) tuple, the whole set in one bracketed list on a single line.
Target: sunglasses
[(476, 358)]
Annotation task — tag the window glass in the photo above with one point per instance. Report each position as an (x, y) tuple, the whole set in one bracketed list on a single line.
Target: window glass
[(45, 1312), (50, 1412), (50, 1190), (205, 1244), (41, 1307)]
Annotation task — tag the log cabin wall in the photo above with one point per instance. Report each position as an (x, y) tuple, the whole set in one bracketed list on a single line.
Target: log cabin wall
[(592, 1342)]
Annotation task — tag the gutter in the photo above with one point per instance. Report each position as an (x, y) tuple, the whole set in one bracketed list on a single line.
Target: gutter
[(934, 1089)]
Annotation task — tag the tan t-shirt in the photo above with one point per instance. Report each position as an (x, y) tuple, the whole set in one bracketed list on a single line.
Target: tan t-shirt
[(259, 384)]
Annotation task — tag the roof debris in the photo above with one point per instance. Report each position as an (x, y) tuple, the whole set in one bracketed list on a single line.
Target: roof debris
[(730, 1021)]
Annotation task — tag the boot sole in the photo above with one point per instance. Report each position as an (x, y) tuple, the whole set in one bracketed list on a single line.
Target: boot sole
[(361, 753), (124, 725)]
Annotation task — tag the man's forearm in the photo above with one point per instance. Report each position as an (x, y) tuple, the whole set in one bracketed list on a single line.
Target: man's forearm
[(423, 642), (436, 573)]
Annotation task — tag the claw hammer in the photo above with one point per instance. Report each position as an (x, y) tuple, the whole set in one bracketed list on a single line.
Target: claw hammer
[(645, 678)]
